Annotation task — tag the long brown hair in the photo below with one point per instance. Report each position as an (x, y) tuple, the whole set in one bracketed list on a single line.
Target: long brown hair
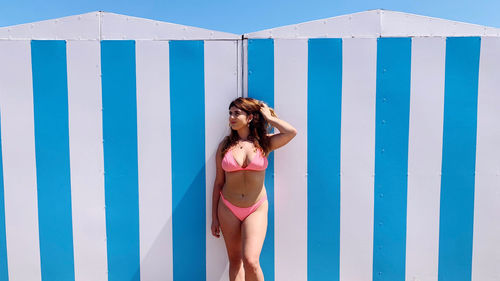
[(258, 126)]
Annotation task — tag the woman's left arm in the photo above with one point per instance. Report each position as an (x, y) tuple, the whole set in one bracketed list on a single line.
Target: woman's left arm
[(287, 131)]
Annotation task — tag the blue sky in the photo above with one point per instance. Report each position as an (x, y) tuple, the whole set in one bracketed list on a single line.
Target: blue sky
[(245, 16)]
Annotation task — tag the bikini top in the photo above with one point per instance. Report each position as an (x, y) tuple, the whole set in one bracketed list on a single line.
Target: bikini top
[(258, 163)]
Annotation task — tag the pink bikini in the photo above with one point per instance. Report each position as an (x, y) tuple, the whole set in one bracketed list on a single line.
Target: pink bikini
[(229, 164)]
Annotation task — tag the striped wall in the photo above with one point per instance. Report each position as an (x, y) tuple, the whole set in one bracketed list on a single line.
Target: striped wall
[(108, 157)]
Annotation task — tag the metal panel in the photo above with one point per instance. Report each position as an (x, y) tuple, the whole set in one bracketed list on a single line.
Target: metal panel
[(357, 158), (187, 106), (18, 152), (391, 157), (404, 24), (456, 217), (324, 113), (79, 27), (424, 157), (260, 59), (154, 160), (375, 23), (290, 94), (363, 24), (221, 87), (119, 102), (119, 27), (86, 156), (486, 234)]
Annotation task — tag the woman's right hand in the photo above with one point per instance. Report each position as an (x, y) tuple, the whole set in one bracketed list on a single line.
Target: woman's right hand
[(215, 228)]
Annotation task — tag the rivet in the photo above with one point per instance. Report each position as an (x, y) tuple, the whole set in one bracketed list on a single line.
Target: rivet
[(383, 121), (381, 195)]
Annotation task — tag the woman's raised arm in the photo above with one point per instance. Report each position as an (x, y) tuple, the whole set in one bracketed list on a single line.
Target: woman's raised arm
[(287, 131)]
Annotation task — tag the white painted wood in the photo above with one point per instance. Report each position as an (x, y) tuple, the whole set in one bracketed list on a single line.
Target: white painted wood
[(359, 68), (221, 87), (424, 157), (86, 160), (486, 244), (18, 156), (290, 189), (154, 160)]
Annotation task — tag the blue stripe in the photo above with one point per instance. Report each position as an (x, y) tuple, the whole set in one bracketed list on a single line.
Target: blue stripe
[(50, 105), (119, 117), (459, 158), (324, 104), (261, 87), (4, 274), (187, 113), (391, 157)]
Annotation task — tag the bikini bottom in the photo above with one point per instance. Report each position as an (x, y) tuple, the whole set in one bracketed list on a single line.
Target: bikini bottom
[(242, 213)]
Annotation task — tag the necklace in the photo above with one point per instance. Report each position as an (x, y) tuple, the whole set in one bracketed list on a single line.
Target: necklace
[(240, 144)]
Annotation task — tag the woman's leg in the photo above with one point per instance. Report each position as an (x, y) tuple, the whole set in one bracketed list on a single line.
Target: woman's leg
[(231, 231), (253, 233)]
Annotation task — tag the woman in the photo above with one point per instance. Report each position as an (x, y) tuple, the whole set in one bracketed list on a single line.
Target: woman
[(241, 161)]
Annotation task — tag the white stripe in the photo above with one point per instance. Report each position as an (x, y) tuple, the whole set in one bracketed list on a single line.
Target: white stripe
[(486, 238), (290, 190), (221, 87), (18, 151), (154, 160), (424, 157), (357, 162), (86, 158), (245, 67)]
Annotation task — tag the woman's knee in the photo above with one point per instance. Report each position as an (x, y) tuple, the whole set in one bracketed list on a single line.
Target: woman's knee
[(251, 263), (235, 262)]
